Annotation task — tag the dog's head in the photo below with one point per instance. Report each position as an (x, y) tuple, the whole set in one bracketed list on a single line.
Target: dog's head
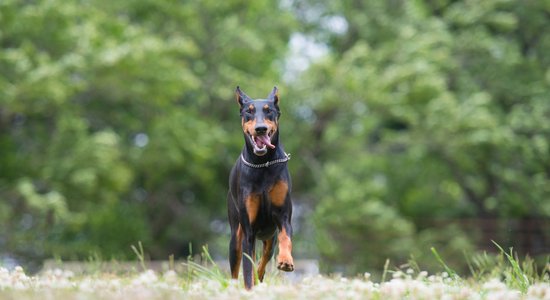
[(260, 120)]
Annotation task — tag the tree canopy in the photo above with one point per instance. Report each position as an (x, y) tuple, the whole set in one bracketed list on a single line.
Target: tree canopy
[(118, 122)]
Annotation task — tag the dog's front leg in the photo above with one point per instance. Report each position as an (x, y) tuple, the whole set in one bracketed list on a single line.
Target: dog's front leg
[(282, 213), (284, 237), (249, 243)]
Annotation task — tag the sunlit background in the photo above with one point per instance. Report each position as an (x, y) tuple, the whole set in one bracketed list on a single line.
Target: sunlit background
[(411, 124)]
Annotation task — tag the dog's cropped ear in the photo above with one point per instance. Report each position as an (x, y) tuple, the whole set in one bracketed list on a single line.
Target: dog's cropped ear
[(274, 96), (241, 97)]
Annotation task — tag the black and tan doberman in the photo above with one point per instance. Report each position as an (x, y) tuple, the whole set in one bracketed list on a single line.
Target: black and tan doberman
[(258, 201)]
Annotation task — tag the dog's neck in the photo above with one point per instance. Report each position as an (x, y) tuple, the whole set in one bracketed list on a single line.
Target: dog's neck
[(272, 154)]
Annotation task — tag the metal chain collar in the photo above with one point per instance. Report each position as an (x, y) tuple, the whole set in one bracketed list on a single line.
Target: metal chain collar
[(267, 164)]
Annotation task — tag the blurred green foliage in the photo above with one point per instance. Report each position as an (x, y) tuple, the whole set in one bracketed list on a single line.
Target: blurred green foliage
[(118, 124), (116, 121), (425, 109)]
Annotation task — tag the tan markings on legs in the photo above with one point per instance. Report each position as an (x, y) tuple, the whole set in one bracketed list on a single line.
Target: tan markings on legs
[(254, 258), (268, 245), (239, 249), (254, 279), (284, 259), (252, 203), (278, 193)]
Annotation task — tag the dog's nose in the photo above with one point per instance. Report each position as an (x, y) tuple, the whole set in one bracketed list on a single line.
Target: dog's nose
[(260, 129)]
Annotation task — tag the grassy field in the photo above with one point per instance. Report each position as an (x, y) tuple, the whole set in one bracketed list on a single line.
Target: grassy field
[(492, 277), (59, 284)]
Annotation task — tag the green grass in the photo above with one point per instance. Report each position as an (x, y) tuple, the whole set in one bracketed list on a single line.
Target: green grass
[(500, 276), (206, 269), (449, 271), (140, 255)]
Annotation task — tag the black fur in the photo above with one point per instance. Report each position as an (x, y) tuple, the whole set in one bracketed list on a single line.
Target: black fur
[(273, 215)]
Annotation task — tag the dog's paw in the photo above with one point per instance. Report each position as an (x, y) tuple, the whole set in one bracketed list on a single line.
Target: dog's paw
[(285, 264)]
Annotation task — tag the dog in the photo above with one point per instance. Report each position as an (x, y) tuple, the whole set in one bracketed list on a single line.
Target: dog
[(258, 201)]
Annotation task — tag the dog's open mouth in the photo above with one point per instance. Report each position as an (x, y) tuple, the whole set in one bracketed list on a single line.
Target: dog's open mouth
[(261, 143)]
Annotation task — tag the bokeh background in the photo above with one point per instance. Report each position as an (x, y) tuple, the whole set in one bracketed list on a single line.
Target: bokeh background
[(412, 124)]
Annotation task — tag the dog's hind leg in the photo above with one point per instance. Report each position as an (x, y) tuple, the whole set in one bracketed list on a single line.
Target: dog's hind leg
[(236, 242), (267, 253), (235, 251)]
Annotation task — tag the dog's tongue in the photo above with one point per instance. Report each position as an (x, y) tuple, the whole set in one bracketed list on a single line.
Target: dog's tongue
[(264, 140)]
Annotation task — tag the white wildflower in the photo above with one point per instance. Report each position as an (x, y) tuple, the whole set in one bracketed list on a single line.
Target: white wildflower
[(494, 285), (170, 277), (397, 274), (395, 288), (366, 275), (503, 295), (422, 275), (539, 291), (147, 277)]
